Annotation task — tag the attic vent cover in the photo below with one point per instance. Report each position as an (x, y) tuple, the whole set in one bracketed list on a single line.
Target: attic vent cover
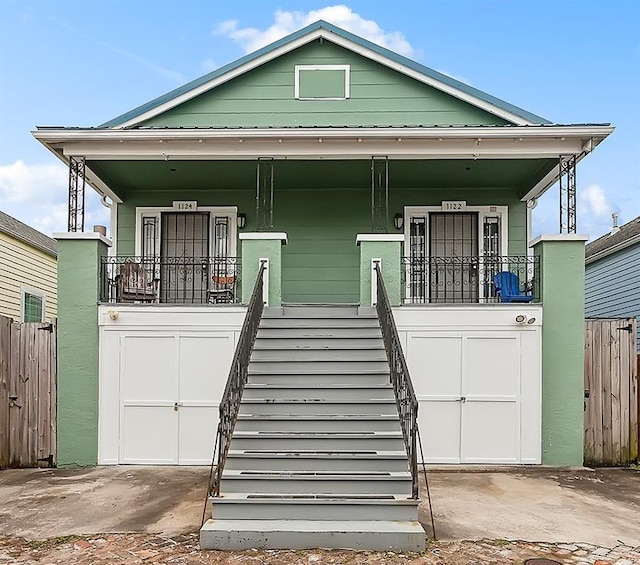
[(322, 82)]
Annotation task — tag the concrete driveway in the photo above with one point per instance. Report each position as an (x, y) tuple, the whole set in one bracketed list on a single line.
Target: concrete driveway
[(598, 507)]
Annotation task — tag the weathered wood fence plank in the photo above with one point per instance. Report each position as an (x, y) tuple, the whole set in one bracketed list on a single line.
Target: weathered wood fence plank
[(611, 377), (27, 394)]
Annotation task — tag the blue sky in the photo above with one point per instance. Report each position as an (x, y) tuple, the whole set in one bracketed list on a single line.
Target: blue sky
[(82, 62)]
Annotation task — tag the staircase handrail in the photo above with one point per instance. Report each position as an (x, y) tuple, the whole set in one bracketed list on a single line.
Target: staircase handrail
[(406, 400), (237, 379)]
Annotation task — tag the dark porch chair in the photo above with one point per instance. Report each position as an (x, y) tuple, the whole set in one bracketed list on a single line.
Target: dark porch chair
[(135, 283)]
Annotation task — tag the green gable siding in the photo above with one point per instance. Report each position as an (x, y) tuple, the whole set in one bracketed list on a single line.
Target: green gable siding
[(380, 96)]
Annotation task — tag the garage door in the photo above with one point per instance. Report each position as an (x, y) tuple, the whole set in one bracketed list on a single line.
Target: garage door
[(170, 387), (470, 391)]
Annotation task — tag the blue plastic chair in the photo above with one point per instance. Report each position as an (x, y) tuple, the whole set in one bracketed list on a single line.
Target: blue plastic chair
[(508, 288)]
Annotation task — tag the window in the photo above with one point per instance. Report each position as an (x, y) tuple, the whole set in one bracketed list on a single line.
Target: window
[(32, 305), (322, 82)]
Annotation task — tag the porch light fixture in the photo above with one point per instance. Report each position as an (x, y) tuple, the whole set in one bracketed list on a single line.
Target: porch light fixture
[(521, 319), (242, 220), (398, 221)]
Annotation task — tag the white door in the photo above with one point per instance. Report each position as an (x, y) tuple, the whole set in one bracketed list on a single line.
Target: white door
[(468, 385), (170, 388)]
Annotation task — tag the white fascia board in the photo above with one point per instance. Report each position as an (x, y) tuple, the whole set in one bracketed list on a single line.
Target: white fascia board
[(328, 148), (551, 177), (613, 249), (343, 42), (264, 235), (558, 237), (455, 92), (90, 177), (249, 65), (378, 237), (489, 132), (84, 235)]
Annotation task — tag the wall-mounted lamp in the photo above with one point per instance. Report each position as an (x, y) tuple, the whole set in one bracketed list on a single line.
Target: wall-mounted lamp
[(242, 220), (113, 314), (522, 319), (398, 221)]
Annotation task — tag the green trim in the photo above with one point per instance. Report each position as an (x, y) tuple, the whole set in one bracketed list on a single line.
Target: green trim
[(562, 294), (78, 268), (358, 41)]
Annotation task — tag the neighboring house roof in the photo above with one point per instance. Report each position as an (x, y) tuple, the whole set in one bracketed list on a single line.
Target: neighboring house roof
[(627, 235), (27, 234), (330, 32)]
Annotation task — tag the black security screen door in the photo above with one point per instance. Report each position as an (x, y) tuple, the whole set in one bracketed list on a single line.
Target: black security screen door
[(453, 252), (184, 240)]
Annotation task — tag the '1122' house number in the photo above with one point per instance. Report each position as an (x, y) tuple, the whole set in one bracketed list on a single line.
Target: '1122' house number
[(454, 205)]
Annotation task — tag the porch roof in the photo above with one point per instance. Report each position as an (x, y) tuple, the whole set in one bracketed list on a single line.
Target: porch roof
[(540, 143)]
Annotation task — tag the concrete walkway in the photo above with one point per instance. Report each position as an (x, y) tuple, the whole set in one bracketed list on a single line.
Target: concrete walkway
[(543, 505)]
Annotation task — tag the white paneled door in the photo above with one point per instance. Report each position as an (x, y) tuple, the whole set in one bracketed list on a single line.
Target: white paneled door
[(469, 388), (169, 395)]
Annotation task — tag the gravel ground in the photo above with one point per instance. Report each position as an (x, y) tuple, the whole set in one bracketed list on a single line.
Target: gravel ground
[(130, 549)]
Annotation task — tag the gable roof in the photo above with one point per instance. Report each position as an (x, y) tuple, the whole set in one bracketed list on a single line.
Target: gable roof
[(609, 243), (26, 234), (322, 29)]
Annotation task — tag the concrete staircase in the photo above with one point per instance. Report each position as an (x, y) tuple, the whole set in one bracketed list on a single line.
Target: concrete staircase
[(317, 457)]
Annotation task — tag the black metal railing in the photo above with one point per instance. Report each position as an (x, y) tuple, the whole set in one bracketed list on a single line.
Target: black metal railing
[(406, 400), (467, 280), (230, 403), (171, 280)]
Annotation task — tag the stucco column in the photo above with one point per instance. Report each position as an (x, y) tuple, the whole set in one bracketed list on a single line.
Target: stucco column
[(387, 248), (562, 296), (257, 246), (79, 257)]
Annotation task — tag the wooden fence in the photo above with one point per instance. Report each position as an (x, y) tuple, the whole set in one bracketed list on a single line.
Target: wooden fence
[(611, 391), (27, 394)]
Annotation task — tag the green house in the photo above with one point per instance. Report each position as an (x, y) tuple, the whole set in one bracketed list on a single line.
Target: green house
[(322, 157)]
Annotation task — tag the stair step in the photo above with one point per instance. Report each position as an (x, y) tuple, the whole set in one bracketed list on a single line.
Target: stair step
[(285, 355), (387, 441), (305, 460), (323, 343), (301, 482), (314, 323), (279, 506), (314, 332), (318, 407), (312, 393), (322, 379), (374, 535), (317, 366), (317, 423)]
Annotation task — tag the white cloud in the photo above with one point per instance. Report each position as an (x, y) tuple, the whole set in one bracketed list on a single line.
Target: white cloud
[(287, 22), (594, 201), (37, 195)]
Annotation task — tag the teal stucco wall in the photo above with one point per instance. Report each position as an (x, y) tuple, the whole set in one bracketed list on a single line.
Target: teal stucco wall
[(562, 297), (77, 419)]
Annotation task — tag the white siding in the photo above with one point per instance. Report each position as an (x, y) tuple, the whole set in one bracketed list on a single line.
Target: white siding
[(612, 286), (24, 266)]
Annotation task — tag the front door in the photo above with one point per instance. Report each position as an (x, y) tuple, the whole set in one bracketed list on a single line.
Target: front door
[(453, 252), (184, 237)]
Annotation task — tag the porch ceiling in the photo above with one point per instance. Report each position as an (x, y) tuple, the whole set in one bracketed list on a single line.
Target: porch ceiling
[(127, 178)]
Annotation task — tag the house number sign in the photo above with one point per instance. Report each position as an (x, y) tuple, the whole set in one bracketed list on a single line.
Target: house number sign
[(454, 205), (185, 205)]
